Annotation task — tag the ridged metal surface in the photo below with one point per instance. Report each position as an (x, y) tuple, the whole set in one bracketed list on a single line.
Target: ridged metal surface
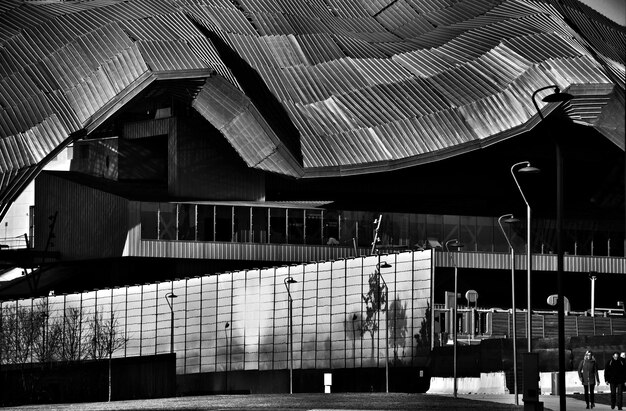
[(231, 112), (242, 251), (540, 262), (368, 85)]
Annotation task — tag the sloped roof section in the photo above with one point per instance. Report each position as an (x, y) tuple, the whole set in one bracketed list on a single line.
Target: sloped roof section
[(364, 85), (236, 117)]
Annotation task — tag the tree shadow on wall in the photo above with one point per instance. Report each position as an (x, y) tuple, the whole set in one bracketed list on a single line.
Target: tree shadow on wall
[(398, 330), (422, 338)]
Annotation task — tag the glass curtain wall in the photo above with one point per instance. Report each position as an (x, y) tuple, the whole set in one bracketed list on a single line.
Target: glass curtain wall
[(282, 225)]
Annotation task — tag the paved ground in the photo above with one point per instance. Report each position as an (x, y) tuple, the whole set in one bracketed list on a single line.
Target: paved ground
[(347, 401)]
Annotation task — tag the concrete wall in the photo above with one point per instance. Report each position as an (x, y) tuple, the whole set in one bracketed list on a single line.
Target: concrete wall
[(487, 383)]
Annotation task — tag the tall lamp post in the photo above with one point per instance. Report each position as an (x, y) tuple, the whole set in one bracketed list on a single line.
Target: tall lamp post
[(557, 97), (593, 279), (526, 169), (454, 243), (169, 297), (288, 281), (508, 218), (226, 328), (379, 265)]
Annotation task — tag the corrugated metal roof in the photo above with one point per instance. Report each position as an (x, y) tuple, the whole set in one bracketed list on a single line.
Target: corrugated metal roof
[(372, 85), (232, 112)]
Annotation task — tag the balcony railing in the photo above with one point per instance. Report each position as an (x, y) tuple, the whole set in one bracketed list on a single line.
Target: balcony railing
[(282, 223), (475, 324)]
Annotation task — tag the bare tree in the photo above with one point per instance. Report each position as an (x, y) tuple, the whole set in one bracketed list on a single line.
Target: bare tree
[(74, 344), (104, 338)]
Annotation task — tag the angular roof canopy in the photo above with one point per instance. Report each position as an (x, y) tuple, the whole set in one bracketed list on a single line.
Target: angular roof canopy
[(306, 88)]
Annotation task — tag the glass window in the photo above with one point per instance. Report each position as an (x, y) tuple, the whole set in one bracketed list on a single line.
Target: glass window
[(467, 232), (433, 229), (259, 225), (484, 233), (206, 223), (349, 227), (401, 232), (149, 221), (295, 226), (393, 229), (365, 228), (517, 236), (451, 228), (167, 221), (223, 223), (617, 244), (241, 224), (186, 222), (278, 225), (417, 228), (331, 227), (313, 227)]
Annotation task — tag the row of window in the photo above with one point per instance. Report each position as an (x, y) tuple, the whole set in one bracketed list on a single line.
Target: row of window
[(277, 225), (166, 221)]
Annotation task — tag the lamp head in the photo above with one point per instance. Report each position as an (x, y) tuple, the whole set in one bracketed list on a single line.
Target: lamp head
[(227, 325), (290, 280), (528, 169), (511, 220), (454, 243), (557, 97), (171, 295), (384, 264)]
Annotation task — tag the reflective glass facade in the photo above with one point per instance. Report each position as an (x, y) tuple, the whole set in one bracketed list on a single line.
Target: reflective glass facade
[(342, 317), (283, 225)]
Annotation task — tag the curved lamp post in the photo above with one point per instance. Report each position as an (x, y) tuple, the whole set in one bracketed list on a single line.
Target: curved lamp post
[(288, 281), (558, 97), (454, 243), (508, 218), (384, 264), (526, 169), (169, 297)]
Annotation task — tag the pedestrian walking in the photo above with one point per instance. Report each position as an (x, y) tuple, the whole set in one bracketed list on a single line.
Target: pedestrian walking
[(615, 376), (588, 374)]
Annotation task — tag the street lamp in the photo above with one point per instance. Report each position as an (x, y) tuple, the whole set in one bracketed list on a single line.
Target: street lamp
[(593, 279), (226, 328), (558, 97), (454, 243), (526, 169), (508, 218), (169, 297), (288, 281), (379, 265)]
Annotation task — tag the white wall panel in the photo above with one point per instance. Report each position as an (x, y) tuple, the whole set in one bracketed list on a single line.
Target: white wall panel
[(239, 321), (150, 319), (133, 320), (267, 318), (208, 324)]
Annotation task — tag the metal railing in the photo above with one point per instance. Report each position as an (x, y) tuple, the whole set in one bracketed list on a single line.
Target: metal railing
[(476, 324)]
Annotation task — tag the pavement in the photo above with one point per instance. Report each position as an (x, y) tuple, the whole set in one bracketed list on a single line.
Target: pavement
[(550, 402), (326, 402)]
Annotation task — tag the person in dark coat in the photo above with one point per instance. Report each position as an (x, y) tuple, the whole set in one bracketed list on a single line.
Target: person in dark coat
[(615, 376), (588, 374)]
